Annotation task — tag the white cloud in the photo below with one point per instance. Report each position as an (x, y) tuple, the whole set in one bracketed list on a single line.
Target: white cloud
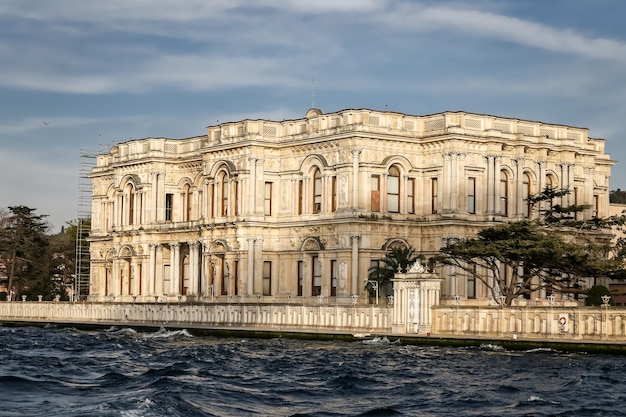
[(413, 17), (172, 10)]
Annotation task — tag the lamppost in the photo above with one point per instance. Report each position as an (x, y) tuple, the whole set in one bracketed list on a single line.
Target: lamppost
[(374, 285)]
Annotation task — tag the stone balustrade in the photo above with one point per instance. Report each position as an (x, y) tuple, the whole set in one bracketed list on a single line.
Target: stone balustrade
[(320, 318), (546, 323)]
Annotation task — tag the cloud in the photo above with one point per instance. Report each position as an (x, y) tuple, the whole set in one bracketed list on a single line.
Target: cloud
[(205, 46), (413, 17), (168, 10)]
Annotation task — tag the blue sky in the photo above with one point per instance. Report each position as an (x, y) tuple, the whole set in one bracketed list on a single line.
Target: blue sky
[(102, 72)]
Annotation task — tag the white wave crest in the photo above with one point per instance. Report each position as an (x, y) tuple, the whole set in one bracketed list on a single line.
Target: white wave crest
[(164, 333)]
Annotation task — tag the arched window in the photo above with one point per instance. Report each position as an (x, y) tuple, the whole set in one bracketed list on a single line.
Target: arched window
[(317, 191), (393, 190), (526, 184), (224, 195), (222, 190), (504, 194)]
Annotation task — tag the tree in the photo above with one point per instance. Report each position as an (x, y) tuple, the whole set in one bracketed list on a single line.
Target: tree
[(397, 259), (594, 296), (24, 249), (554, 252), (617, 196), (63, 259)]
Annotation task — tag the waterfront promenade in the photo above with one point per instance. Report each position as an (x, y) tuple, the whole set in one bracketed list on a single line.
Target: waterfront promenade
[(565, 328)]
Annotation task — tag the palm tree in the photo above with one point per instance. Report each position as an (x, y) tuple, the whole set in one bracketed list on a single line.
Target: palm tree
[(397, 259)]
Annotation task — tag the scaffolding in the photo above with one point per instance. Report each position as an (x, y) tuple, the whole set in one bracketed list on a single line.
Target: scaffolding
[(83, 226)]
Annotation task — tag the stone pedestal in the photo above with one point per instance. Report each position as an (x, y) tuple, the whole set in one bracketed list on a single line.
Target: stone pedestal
[(414, 295)]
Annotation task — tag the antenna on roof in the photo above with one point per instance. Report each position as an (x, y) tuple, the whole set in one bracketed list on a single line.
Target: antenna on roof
[(313, 92)]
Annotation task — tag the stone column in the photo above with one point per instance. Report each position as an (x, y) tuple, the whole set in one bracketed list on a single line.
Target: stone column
[(519, 189), (355, 265), (355, 178), (454, 182), (491, 194), (204, 210), (250, 280), (307, 192), (174, 268), (258, 264), (158, 273), (588, 197), (326, 194), (204, 269), (115, 279), (153, 197), (252, 186), (152, 269), (193, 269), (383, 192), (496, 185), (569, 182), (542, 184)]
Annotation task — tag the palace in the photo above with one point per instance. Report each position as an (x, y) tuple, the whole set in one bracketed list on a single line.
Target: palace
[(299, 210)]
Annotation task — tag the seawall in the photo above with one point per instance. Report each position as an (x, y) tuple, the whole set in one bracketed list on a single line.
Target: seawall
[(349, 323)]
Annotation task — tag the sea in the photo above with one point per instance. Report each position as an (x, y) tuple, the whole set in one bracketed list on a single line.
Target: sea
[(50, 371)]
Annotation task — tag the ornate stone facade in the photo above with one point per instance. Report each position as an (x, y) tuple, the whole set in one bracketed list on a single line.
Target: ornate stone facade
[(268, 211)]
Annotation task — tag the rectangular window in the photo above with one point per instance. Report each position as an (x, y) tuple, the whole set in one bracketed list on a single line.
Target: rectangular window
[(169, 200), (224, 192), (375, 199), (471, 283), (334, 194), (434, 190), (333, 277), (471, 195), (316, 282), (393, 194), (268, 199), (267, 278), (317, 193), (300, 277), (410, 195), (504, 196), (596, 205)]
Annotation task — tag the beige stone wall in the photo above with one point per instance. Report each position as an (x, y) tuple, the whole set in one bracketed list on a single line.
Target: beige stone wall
[(277, 209)]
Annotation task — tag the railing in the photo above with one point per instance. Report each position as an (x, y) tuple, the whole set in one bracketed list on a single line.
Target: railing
[(546, 322), (347, 319)]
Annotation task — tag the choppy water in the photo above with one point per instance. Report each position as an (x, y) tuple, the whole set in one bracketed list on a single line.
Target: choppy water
[(66, 372)]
